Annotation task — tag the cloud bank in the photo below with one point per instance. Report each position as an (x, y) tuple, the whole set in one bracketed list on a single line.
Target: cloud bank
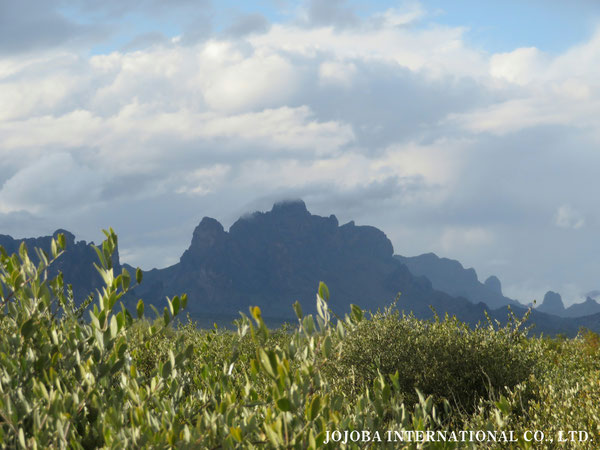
[(393, 120)]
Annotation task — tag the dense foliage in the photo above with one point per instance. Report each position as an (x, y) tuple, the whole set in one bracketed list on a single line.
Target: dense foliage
[(118, 382)]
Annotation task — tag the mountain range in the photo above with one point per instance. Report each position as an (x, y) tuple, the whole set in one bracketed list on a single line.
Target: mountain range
[(271, 259), (76, 264), (450, 276), (553, 304)]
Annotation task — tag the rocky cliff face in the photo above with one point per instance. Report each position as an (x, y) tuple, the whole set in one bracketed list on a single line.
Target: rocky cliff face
[(271, 259), (492, 283)]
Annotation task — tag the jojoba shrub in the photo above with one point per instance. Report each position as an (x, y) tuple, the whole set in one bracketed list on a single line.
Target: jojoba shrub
[(442, 358), (69, 383), (564, 397), (214, 349), (109, 380)]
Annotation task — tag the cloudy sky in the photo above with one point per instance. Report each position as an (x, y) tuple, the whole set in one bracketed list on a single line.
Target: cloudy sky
[(467, 128)]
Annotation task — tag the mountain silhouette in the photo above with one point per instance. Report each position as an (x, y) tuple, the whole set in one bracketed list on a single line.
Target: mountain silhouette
[(271, 259), (76, 263), (448, 275), (274, 258), (553, 304)]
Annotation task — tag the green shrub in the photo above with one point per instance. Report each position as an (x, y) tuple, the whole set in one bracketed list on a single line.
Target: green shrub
[(119, 382), (564, 395), (446, 359), (68, 383)]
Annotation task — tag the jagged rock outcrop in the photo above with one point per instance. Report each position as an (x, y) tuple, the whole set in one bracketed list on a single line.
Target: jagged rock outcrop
[(273, 258), (493, 284), (552, 304)]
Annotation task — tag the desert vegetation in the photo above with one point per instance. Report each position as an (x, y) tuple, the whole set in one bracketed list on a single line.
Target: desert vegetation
[(92, 375)]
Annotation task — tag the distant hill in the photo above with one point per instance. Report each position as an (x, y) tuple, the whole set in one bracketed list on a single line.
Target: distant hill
[(553, 304), (271, 259), (448, 275), (76, 263)]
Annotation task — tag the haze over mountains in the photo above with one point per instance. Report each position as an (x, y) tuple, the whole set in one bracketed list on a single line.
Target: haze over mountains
[(274, 258), (553, 304), (450, 276)]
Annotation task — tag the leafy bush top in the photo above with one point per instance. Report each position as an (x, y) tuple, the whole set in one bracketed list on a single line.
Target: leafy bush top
[(117, 382)]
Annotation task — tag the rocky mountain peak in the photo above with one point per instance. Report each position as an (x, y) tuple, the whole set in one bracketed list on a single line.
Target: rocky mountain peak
[(208, 236), (290, 207), (207, 233), (552, 303), (450, 276), (493, 283)]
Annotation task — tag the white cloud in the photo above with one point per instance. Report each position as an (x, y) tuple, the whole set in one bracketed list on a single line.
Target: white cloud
[(388, 120), (337, 73), (537, 89), (455, 239), (567, 217), (521, 66), (281, 129), (261, 80), (395, 17), (437, 51), (54, 183), (202, 181)]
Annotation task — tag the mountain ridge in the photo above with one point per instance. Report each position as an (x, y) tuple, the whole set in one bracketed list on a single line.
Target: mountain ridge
[(449, 275), (553, 304), (271, 259)]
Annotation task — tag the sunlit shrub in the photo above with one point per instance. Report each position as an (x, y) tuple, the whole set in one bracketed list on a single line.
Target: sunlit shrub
[(443, 358), (113, 381)]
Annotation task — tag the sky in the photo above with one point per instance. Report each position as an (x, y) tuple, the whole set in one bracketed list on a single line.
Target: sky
[(465, 128)]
